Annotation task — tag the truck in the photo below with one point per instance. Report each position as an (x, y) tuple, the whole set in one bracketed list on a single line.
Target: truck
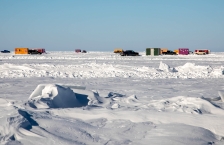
[(129, 53), (169, 52), (33, 51)]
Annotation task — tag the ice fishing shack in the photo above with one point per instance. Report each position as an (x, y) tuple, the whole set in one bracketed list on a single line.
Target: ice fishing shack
[(183, 51), (153, 51)]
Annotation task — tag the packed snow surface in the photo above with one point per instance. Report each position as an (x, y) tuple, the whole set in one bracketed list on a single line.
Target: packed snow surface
[(103, 98)]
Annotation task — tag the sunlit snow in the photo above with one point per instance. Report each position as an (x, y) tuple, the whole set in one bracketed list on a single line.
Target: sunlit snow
[(104, 98)]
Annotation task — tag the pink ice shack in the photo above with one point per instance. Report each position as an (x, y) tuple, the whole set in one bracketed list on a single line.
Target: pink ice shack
[(184, 51)]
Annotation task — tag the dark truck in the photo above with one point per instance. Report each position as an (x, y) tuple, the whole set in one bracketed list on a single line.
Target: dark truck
[(129, 53), (32, 51)]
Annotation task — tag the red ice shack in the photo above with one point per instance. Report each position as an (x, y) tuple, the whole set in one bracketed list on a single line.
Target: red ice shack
[(42, 50), (183, 51), (78, 50)]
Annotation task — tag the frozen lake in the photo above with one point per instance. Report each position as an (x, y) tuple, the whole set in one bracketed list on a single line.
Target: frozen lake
[(105, 98)]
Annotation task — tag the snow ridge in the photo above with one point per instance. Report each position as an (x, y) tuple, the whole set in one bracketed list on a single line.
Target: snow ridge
[(95, 70)]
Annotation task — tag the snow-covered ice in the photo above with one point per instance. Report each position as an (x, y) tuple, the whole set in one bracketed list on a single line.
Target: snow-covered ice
[(104, 98)]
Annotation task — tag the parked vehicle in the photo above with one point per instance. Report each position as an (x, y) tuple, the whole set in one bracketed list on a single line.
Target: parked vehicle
[(33, 51), (176, 51), (78, 50), (169, 52), (42, 50), (202, 51), (163, 50), (118, 50), (5, 51), (129, 53)]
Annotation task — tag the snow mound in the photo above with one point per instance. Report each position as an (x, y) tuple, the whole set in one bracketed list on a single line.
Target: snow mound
[(105, 70), (4, 102), (53, 96), (62, 96), (7, 66), (112, 101), (14, 122), (117, 100), (166, 67), (191, 67), (188, 68), (185, 104)]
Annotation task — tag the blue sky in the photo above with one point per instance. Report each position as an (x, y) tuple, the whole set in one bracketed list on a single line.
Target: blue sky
[(102, 25)]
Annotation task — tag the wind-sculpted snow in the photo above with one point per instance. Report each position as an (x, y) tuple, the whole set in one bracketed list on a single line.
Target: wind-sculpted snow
[(56, 96), (185, 105), (66, 114), (59, 96)]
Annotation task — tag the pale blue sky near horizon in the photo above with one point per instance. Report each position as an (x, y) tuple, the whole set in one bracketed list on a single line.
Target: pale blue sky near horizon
[(102, 25)]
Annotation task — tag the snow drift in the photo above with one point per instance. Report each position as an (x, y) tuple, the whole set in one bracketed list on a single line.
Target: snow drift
[(186, 105), (58, 117), (62, 96), (104, 70), (54, 96), (166, 67)]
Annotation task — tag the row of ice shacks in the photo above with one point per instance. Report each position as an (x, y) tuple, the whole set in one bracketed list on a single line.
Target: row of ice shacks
[(186, 51), (180, 51), (79, 50), (26, 50), (159, 51)]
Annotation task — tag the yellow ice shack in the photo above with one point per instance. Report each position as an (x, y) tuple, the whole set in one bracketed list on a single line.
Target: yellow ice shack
[(118, 50), (176, 51), (21, 50)]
